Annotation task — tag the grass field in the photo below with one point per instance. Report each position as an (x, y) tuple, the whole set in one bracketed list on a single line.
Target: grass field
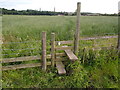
[(94, 68), (32, 26)]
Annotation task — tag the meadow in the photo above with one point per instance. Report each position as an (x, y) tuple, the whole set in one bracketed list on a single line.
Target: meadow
[(96, 69)]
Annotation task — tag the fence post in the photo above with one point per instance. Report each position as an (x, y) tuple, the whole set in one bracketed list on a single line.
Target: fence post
[(118, 46), (44, 65), (53, 48), (119, 40), (76, 39)]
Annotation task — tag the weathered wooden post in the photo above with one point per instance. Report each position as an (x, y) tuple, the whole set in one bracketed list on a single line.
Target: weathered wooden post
[(44, 63), (118, 46), (76, 40), (119, 39), (1, 48), (53, 48)]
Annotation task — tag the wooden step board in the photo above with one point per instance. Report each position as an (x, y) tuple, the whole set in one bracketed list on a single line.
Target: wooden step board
[(60, 68), (71, 55)]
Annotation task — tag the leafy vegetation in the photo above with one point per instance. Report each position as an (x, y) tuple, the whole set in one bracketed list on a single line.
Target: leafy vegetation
[(98, 71), (94, 69)]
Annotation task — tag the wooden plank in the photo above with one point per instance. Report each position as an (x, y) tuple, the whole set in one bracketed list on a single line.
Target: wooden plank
[(64, 48), (18, 59), (71, 55), (13, 67), (53, 48), (26, 58), (60, 68), (44, 66), (63, 42), (60, 54), (60, 59)]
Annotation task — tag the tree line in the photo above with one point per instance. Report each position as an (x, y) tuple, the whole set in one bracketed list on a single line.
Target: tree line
[(4, 11), (30, 12)]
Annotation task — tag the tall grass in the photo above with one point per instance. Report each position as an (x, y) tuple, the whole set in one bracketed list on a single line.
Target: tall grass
[(22, 28), (29, 28), (100, 70)]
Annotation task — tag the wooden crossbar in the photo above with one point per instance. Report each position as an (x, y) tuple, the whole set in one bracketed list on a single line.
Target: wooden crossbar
[(27, 58), (60, 68), (13, 67), (71, 55), (64, 48), (18, 59), (64, 42)]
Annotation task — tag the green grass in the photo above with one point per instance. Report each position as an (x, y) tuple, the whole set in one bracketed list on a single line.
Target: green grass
[(22, 28), (98, 71), (94, 68), (29, 28)]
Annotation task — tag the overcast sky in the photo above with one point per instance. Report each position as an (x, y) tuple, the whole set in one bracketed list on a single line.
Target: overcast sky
[(95, 6)]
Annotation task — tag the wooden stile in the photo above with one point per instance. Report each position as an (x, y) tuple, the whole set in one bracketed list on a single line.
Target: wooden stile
[(55, 57)]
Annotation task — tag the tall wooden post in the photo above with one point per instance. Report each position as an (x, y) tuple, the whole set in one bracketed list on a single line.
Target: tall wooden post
[(1, 48), (44, 65), (119, 39), (76, 40), (53, 48), (118, 46)]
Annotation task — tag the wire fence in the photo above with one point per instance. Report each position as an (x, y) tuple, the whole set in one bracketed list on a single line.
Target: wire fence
[(87, 38), (14, 51), (35, 49)]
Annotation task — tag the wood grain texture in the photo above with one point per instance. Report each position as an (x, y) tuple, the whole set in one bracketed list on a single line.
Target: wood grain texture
[(26, 58), (71, 55), (64, 42), (60, 54), (13, 67), (18, 59), (52, 48), (60, 68), (76, 40), (44, 66), (64, 48)]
